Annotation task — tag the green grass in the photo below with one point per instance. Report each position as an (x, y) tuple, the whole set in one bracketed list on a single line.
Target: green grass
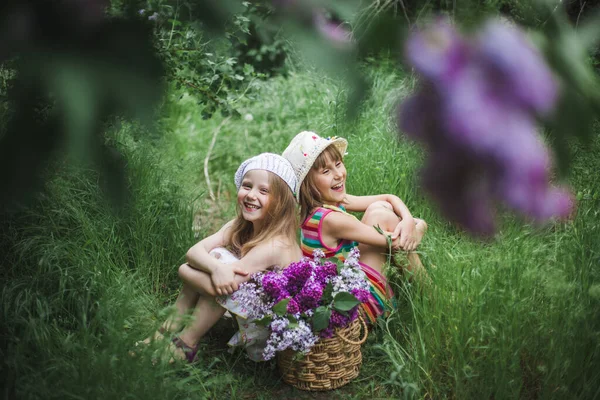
[(514, 317)]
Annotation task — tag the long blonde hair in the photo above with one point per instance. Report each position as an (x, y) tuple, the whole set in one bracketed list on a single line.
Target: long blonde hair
[(310, 197), (281, 219)]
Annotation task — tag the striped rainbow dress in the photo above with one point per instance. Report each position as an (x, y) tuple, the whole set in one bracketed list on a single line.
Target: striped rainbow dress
[(381, 298)]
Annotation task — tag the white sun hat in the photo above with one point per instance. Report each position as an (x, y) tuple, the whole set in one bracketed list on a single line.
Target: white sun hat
[(269, 162), (304, 149)]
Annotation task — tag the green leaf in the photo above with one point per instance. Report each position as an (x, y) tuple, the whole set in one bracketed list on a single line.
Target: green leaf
[(264, 321), (320, 319), (344, 301), (339, 265), (281, 307), (248, 69), (326, 297), (293, 325)]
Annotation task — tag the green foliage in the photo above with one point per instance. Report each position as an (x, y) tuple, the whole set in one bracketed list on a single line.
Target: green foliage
[(320, 319), (344, 301), (219, 70), (281, 307)]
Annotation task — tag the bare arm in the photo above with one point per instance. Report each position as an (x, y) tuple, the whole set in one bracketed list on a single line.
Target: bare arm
[(339, 226), (197, 256), (405, 228), (222, 275)]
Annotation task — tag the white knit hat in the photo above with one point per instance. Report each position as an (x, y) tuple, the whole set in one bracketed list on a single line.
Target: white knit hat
[(269, 162), (304, 149)]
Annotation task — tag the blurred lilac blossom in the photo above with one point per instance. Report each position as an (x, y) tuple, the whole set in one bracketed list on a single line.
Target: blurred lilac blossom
[(476, 111), (332, 29)]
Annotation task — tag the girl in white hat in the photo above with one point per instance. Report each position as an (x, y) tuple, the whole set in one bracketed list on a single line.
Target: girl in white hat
[(262, 236), (326, 225)]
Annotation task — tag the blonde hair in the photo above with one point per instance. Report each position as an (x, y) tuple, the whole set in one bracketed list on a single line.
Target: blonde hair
[(281, 219), (310, 197)]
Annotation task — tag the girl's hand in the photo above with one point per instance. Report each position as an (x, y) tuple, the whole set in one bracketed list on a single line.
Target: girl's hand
[(223, 279), (395, 242), (406, 232)]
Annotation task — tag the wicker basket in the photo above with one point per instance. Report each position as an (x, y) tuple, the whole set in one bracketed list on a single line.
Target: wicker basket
[(331, 363)]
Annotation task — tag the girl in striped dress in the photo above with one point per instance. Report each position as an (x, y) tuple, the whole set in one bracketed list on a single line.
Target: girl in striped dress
[(319, 167)]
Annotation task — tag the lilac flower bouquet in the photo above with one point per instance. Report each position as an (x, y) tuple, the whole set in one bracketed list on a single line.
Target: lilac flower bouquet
[(307, 300)]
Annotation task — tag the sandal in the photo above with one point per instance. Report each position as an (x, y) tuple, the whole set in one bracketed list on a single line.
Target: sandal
[(189, 352)]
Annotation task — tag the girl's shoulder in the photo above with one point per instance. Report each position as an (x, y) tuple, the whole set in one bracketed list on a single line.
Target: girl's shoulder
[(319, 212)]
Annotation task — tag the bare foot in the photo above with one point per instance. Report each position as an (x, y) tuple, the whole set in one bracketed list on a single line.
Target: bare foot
[(158, 335)]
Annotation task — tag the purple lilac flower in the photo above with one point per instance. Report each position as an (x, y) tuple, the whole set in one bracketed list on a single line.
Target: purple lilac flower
[(293, 307), (274, 285), (153, 17), (476, 110), (327, 332), (338, 320), (310, 295), (361, 295), (325, 271), (297, 273)]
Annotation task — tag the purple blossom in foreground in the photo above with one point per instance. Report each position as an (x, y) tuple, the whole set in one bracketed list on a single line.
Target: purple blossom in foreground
[(476, 111), (332, 29)]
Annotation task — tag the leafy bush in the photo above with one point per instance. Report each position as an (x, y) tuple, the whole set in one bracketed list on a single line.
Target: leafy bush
[(218, 70)]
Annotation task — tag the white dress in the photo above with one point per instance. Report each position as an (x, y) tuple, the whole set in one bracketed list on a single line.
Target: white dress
[(253, 337)]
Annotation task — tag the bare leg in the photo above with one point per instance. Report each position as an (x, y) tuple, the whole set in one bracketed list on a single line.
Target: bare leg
[(195, 283), (187, 299), (198, 280), (377, 214), (206, 315), (381, 214)]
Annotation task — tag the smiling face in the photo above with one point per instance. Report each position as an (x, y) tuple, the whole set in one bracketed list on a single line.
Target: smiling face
[(330, 180), (254, 195)]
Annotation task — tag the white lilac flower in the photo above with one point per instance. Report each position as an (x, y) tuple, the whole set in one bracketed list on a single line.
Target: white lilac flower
[(279, 324), (318, 254)]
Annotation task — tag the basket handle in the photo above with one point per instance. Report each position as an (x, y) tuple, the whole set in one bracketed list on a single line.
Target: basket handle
[(360, 341)]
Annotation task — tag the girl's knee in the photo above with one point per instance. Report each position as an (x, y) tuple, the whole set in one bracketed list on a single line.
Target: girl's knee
[(379, 206), (183, 272), (380, 212), (187, 274)]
